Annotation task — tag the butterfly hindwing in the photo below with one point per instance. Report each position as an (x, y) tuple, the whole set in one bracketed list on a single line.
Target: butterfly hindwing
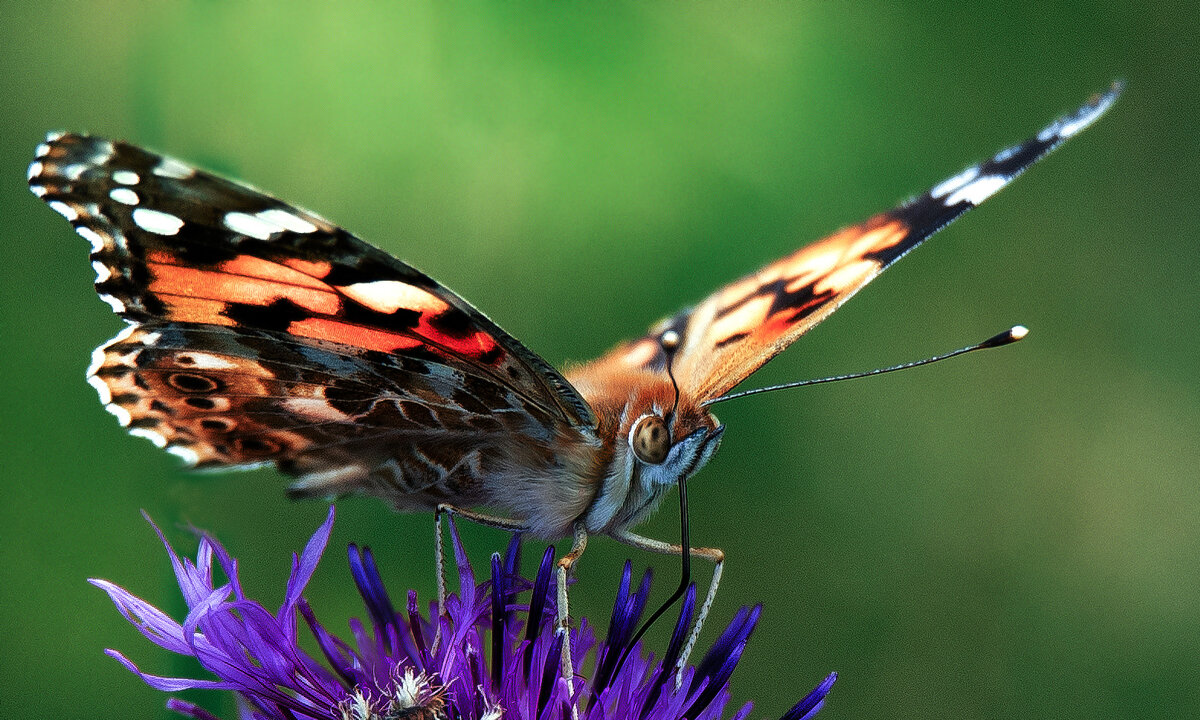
[(263, 332), (733, 332)]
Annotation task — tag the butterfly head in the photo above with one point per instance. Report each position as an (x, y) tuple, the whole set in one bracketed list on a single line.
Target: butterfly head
[(666, 450), (653, 440), (669, 448)]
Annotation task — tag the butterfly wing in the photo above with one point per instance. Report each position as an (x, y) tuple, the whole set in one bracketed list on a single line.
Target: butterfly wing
[(733, 332), (261, 332)]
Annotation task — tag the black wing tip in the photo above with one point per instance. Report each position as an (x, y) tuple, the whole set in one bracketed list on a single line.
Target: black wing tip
[(977, 183)]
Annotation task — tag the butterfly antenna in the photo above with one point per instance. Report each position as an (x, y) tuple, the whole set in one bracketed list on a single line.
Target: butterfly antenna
[(669, 341), (1007, 337)]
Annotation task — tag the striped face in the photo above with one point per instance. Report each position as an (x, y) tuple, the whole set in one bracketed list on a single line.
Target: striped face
[(261, 333)]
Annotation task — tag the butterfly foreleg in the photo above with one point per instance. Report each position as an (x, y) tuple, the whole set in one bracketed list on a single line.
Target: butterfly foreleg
[(440, 551), (714, 555), (565, 564)]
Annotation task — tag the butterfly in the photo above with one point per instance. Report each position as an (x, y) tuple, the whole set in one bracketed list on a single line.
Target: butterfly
[(260, 333)]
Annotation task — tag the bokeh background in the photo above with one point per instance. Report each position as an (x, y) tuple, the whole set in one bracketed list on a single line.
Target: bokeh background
[(1012, 534)]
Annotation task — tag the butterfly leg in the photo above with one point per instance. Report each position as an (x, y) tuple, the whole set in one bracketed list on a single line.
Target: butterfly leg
[(565, 564), (440, 551), (714, 555)]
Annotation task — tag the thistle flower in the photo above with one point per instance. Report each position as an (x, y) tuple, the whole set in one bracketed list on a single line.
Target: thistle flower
[(493, 657)]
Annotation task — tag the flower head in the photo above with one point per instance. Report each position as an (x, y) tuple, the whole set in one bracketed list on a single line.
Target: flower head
[(489, 656)]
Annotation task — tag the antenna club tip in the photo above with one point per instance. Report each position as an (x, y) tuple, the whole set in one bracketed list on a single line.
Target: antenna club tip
[(669, 340), (1011, 335)]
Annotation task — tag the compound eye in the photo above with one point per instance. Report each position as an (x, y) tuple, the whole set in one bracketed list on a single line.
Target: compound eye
[(650, 440)]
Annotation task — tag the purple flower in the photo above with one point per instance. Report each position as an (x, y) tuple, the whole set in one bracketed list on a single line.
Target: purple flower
[(493, 657)]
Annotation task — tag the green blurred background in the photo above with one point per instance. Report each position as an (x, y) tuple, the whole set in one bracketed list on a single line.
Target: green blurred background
[(1013, 534)]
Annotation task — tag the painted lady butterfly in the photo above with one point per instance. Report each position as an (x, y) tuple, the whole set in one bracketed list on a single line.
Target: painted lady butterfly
[(261, 333)]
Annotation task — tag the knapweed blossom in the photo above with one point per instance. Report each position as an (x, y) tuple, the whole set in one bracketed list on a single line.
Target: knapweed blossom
[(489, 657)]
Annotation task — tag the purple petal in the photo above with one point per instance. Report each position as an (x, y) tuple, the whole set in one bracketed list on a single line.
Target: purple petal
[(228, 565), (304, 566), (189, 709), (334, 655), (466, 576), (498, 613), (537, 605), (744, 712), (191, 584), (149, 620), (813, 702), (370, 587), (414, 627), (168, 684)]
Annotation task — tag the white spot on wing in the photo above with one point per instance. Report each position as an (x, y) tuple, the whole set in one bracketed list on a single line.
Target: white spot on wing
[(96, 239), (976, 191), (204, 361), (102, 271), (35, 169), (1006, 154), (126, 177), (97, 361), (315, 408), (104, 153), (72, 172), (101, 389), (388, 296), (287, 220), (954, 183), (1085, 118), (172, 168), (38, 190), (64, 209), (188, 455), (121, 414), (115, 304), (154, 221), (42, 150), (122, 336), (329, 480), (125, 196), (251, 225), (150, 435)]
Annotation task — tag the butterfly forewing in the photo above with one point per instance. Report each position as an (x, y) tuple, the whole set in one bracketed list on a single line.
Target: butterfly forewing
[(263, 332), (734, 331)]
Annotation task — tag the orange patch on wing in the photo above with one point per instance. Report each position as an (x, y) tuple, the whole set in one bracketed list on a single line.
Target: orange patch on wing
[(847, 277), (312, 268), (744, 318), (641, 353), (880, 238), (268, 270), (353, 335), (472, 345), (226, 288), (196, 310), (810, 268)]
